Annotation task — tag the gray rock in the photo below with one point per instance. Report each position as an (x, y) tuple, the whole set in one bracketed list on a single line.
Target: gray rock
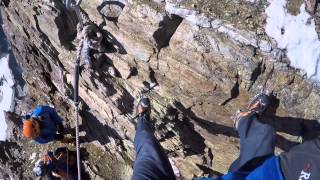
[(205, 60)]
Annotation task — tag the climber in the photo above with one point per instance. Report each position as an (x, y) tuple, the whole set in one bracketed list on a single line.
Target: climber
[(151, 161), (43, 124), (58, 164), (257, 143)]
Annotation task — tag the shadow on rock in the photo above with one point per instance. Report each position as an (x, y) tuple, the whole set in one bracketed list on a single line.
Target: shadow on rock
[(11, 161), (66, 31), (193, 142), (102, 76), (211, 127), (307, 129), (111, 43), (84, 156), (125, 101), (96, 131), (111, 10)]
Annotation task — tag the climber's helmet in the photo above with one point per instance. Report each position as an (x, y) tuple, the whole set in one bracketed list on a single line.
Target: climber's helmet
[(31, 128)]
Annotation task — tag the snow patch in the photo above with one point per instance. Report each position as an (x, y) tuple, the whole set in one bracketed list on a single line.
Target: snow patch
[(6, 93), (242, 37), (296, 34), (238, 36)]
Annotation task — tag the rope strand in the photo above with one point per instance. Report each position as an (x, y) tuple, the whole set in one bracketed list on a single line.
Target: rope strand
[(77, 143), (76, 8), (83, 28)]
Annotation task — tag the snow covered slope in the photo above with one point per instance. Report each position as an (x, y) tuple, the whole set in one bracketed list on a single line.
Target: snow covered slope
[(6, 92), (296, 34)]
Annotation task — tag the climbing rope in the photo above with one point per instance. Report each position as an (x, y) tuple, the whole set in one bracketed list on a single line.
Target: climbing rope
[(83, 50), (86, 43), (76, 7)]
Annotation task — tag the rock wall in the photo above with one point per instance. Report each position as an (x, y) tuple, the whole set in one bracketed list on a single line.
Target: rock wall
[(198, 61)]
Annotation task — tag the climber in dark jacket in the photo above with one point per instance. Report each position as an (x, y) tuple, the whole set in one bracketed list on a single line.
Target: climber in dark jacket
[(60, 164), (151, 161), (43, 124), (257, 142)]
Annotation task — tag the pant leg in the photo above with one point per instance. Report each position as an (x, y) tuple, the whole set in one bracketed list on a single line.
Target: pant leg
[(257, 141), (302, 162), (151, 161)]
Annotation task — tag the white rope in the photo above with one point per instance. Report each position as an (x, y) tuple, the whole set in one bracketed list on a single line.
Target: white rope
[(76, 8), (77, 142), (85, 44), (76, 108)]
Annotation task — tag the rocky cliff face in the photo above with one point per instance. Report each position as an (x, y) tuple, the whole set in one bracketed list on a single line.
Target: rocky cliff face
[(198, 61)]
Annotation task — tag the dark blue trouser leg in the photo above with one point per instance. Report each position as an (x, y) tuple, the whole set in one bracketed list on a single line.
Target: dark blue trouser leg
[(256, 140), (151, 162)]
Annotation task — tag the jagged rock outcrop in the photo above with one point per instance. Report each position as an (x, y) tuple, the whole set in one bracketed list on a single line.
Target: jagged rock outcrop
[(198, 62)]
